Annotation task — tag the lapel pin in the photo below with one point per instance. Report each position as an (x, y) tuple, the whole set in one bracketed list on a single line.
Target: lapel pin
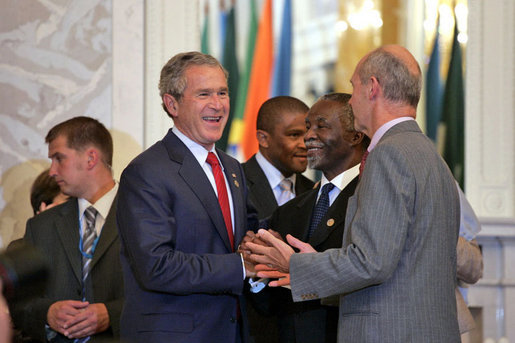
[(236, 183), (330, 222), (233, 175)]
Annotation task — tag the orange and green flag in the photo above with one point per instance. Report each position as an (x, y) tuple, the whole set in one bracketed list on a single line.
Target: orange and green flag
[(260, 79)]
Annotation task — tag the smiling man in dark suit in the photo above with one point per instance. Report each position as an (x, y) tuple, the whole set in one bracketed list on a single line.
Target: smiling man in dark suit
[(182, 211), (336, 149), (78, 303), (395, 273), (274, 173)]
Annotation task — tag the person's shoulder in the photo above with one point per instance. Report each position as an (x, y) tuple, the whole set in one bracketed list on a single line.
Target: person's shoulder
[(227, 159), (52, 213), (250, 162), (305, 182)]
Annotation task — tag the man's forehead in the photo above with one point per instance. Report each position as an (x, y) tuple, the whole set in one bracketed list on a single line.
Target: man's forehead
[(58, 141)]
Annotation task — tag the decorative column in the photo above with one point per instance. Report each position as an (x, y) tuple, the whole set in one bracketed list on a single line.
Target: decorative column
[(171, 27), (490, 158)]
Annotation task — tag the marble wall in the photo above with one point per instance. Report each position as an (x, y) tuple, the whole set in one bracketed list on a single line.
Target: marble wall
[(55, 63)]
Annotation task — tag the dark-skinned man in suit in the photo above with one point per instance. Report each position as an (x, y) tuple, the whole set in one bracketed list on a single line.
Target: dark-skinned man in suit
[(274, 176), (335, 149)]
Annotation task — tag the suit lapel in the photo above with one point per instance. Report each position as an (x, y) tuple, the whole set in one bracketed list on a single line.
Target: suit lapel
[(67, 226), (335, 216), (107, 236), (199, 184), (194, 176)]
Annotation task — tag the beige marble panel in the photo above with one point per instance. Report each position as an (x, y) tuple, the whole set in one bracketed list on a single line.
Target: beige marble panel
[(55, 63)]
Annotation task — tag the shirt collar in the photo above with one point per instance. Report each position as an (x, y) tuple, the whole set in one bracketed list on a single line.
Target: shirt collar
[(382, 130), (273, 175), (102, 205), (342, 180), (196, 149)]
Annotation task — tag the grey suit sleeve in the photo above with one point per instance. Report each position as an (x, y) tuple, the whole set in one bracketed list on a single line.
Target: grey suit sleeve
[(376, 229)]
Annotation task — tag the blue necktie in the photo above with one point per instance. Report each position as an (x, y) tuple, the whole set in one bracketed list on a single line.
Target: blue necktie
[(321, 208)]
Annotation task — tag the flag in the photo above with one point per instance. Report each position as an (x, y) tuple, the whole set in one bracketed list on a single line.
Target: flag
[(260, 78), (282, 67), (223, 27), (453, 113), (230, 63), (434, 89), (237, 125), (204, 41)]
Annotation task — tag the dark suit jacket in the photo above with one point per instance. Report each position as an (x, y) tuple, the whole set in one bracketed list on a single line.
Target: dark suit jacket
[(309, 321), (263, 327), (396, 270), (261, 194), (183, 281), (56, 233)]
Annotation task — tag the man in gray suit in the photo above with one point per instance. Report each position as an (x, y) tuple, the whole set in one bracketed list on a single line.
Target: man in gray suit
[(396, 270), (84, 294)]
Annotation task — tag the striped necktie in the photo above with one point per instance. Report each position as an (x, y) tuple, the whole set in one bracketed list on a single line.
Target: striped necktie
[(88, 238), (285, 186)]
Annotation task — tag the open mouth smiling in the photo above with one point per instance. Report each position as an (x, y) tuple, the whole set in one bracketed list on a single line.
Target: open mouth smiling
[(215, 119)]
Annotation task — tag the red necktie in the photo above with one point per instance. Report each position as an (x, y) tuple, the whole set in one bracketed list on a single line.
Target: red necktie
[(223, 198), (362, 165)]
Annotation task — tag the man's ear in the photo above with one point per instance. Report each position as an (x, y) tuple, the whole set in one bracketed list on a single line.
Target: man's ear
[(93, 157), (373, 88), (171, 104), (357, 137), (262, 137)]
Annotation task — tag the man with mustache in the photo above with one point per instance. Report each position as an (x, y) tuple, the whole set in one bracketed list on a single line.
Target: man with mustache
[(336, 149)]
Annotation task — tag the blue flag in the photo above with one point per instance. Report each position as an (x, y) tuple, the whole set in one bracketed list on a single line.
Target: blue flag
[(282, 69)]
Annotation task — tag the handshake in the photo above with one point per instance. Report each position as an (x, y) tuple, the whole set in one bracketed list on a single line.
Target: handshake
[(267, 255)]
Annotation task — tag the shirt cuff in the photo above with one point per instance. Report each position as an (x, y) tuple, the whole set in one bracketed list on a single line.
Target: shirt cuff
[(258, 285)]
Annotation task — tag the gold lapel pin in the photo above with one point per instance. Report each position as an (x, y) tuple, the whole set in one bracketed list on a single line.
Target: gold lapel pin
[(236, 183), (233, 175), (330, 222)]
